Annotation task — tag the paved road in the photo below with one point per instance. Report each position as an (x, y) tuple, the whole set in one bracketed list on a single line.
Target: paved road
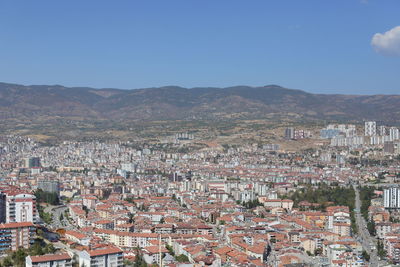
[(367, 241), (56, 211)]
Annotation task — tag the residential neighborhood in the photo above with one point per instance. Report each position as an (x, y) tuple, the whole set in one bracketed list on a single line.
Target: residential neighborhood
[(110, 204)]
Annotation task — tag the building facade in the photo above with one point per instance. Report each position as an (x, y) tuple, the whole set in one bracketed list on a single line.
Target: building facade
[(289, 133), (16, 235), (31, 162), (370, 128), (391, 198), (17, 207), (104, 257), (53, 260)]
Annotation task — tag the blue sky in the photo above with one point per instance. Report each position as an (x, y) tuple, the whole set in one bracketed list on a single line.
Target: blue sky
[(313, 45)]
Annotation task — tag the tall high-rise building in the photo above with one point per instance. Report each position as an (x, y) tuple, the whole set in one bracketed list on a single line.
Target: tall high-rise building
[(31, 162), (382, 131), (394, 133), (289, 133), (370, 128), (17, 206), (391, 198)]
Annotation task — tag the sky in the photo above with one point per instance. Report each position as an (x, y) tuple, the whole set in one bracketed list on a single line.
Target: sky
[(331, 46)]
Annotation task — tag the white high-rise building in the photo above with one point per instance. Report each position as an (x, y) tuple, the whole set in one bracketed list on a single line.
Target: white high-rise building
[(370, 128), (394, 133), (354, 141), (391, 198), (382, 130), (17, 207)]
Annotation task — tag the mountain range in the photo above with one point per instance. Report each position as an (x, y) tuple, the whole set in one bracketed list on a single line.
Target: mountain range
[(37, 102)]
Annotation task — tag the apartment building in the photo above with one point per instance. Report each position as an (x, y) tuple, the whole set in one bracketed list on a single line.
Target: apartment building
[(51, 260), (370, 128), (103, 257), (17, 206), (391, 198), (16, 235)]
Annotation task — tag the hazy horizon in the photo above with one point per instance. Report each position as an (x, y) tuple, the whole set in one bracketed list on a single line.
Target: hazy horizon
[(196, 87)]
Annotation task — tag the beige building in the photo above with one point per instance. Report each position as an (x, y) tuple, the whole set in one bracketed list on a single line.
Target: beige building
[(342, 229)]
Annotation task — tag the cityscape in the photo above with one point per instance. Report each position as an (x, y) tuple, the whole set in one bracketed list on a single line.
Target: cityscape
[(121, 204), (207, 133)]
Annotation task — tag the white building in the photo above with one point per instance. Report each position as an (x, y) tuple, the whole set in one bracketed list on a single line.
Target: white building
[(341, 255), (53, 260), (382, 131), (370, 128), (104, 257), (394, 133), (17, 207), (391, 198), (354, 141), (382, 229)]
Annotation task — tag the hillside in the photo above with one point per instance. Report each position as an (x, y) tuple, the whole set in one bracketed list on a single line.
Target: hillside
[(43, 102)]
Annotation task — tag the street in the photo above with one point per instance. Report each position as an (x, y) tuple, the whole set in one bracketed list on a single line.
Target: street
[(366, 240), (56, 212)]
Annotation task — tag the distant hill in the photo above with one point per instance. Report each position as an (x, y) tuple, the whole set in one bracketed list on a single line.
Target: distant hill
[(39, 102)]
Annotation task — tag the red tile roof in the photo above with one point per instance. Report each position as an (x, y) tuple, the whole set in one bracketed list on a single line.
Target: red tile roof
[(104, 251), (50, 257), (75, 234), (16, 225)]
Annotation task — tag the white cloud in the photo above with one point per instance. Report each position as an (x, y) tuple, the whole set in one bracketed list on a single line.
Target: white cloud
[(387, 43)]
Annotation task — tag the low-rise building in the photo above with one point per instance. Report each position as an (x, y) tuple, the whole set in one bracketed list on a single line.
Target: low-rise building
[(103, 257), (52, 260)]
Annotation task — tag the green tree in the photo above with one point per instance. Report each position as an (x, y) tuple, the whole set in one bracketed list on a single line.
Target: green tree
[(170, 249), (139, 261), (131, 217), (36, 249), (40, 232), (18, 257), (182, 258), (366, 194), (381, 249), (318, 251), (86, 209), (354, 227), (45, 216), (49, 249), (128, 263), (324, 193), (47, 197), (365, 255), (7, 262), (371, 227), (252, 204)]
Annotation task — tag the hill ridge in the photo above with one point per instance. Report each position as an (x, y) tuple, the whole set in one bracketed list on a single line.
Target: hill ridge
[(179, 103)]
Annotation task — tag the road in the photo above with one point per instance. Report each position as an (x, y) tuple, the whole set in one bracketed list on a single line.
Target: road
[(56, 211), (56, 223), (365, 238)]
